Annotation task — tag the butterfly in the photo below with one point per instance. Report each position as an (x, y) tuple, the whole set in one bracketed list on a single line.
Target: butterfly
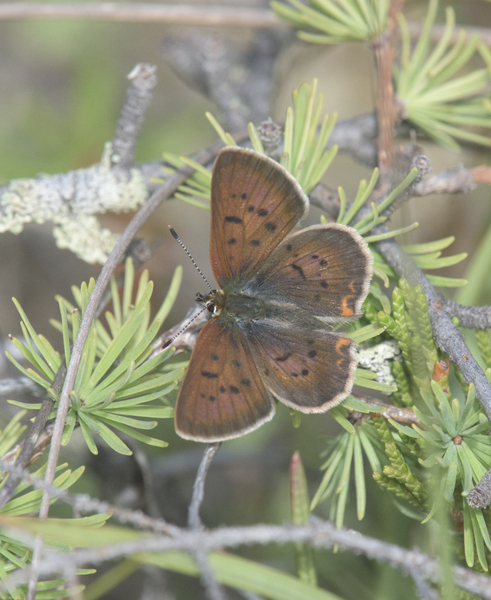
[(270, 336)]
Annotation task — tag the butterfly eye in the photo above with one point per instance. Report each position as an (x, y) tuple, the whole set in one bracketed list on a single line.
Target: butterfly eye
[(211, 308)]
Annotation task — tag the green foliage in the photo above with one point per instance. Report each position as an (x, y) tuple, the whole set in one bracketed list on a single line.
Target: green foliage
[(433, 99), (342, 21), (441, 457), (299, 502), (116, 381), (427, 256), (429, 94), (430, 464), (304, 154), (14, 553)]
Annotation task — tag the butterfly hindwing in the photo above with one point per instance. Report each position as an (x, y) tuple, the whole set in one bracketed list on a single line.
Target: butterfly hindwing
[(310, 371), (222, 395), (255, 203), (323, 269)]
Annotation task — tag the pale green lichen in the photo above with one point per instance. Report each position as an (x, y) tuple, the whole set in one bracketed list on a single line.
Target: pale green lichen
[(85, 238), (71, 201)]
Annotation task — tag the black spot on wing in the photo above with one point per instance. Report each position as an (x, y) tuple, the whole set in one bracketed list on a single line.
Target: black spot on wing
[(305, 372), (324, 284), (255, 243), (312, 353), (285, 356), (299, 270), (232, 219), (234, 390), (209, 375), (270, 227), (214, 356), (232, 241), (244, 196), (250, 208), (236, 363), (262, 212)]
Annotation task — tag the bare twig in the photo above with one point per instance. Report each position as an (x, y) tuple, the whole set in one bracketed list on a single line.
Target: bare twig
[(194, 520), (171, 14), (175, 14), (472, 317), (320, 534), (138, 99), (210, 63), (213, 589), (424, 589), (383, 51), (446, 334), (358, 137), (480, 495), (451, 181)]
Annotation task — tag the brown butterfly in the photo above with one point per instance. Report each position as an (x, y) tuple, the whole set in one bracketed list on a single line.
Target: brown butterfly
[(265, 340)]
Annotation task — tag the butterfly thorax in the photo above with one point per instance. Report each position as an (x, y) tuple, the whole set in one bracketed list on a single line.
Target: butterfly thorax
[(233, 305)]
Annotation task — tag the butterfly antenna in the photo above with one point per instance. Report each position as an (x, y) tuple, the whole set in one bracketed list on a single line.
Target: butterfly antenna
[(183, 328), (176, 237)]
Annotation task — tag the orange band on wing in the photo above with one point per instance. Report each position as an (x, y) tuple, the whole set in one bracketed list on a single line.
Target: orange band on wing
[(340, 349)]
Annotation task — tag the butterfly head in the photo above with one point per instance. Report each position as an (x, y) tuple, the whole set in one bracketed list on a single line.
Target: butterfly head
[(214, 301)]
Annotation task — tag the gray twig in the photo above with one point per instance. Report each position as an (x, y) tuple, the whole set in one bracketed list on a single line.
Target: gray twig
[(225, 16), (321, 534), (425, 591), (480, 495), (138, 99), (473, 317), (447, 335), (213, 589), (194, 520), (169, 537), (238, 77)]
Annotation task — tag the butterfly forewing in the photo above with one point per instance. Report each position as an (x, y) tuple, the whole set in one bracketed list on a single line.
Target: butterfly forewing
[(323, 269), (255, 203), (222, 395), (310, 371)]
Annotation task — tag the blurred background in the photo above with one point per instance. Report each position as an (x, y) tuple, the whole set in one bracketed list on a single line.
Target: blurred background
[(62, 85)]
